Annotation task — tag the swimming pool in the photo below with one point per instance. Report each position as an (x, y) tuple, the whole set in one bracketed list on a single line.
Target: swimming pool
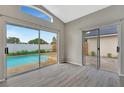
[(15, 61)]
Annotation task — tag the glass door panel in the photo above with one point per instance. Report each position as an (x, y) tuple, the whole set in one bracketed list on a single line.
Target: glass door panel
[(90, 48), (22, 49), (48, 48), (108, 48)]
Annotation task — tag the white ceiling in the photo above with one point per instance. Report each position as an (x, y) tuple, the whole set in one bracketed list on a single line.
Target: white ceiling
[(67, 13)]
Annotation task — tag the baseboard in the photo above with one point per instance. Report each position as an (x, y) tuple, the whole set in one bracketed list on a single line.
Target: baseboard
[(61, 61), (73, 63), (122, 75)]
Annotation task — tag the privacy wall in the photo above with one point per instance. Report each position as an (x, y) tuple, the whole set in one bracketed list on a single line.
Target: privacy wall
[(27, 47), (108, 45)]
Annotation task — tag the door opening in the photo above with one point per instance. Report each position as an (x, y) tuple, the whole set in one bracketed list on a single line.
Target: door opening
[(90, 51), (100, 48), (29, 49), (109, 48)]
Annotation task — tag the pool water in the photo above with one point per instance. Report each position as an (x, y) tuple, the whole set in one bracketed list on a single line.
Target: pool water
[(15, 61)]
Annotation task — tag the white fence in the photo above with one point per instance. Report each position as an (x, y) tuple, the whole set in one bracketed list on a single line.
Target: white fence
[(28, 47)]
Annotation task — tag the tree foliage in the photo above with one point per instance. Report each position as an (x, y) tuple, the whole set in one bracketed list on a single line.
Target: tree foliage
[(13, 40), (53, 40), (37, 41)]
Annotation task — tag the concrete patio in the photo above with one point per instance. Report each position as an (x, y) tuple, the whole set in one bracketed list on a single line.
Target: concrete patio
[(108, 64)]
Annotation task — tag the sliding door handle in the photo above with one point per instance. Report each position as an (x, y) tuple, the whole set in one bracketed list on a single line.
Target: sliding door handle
[(98, 48), (6, 50), (118, 49)]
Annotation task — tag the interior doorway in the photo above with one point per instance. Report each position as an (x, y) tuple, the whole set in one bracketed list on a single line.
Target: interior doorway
[(100, 48)]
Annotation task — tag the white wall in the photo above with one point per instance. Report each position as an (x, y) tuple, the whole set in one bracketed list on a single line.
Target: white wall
[(92, 45), (28, 47), (108, 44), (73, 31)]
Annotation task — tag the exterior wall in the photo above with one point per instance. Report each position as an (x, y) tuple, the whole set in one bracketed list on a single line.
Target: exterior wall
[(92, 45), (28, 47), (73, 31), (107, 45)]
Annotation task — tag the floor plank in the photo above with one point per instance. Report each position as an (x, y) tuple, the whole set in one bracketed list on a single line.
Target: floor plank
[(65, 75)]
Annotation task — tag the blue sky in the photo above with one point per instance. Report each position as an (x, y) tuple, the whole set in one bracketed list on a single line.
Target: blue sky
[(26, 34), (35, 13)]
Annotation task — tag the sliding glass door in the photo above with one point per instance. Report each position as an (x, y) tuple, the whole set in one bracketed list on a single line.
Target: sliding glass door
[(48, 48), (22, 49), (28, 49), (100, 48), (90, 48), (108, 48)]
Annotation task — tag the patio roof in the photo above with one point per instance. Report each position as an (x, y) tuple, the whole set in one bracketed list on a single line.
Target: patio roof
[(108, 30)]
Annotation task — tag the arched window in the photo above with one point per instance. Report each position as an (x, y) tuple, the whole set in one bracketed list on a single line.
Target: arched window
[(36, 12)]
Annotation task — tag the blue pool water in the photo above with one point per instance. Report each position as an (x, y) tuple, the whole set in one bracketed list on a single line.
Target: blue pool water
[(15, 61)]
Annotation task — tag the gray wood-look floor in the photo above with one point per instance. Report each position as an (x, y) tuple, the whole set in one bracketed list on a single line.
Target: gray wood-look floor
[(64, 75)]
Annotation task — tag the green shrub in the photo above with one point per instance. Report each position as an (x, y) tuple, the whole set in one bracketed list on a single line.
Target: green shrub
[(43, 51), (25, 52), (109, 55), (93, 53), (47, 51)]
